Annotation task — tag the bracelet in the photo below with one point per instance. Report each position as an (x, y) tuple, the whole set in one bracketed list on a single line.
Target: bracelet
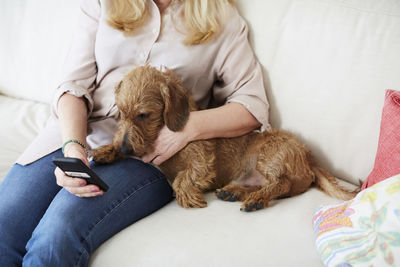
[(73, 141)]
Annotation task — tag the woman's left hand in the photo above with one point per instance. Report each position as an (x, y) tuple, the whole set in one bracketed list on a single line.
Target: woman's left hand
[(167, 144)]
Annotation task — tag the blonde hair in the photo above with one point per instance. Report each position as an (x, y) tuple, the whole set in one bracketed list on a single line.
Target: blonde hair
[(203, 18)]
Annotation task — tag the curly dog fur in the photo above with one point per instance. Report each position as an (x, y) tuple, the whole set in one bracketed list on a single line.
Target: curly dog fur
[(253, 168)]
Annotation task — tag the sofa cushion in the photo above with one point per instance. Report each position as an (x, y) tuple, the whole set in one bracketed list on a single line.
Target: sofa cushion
[(327, 65), (219, 235), (38, 35), (21, 121), (387, 159)]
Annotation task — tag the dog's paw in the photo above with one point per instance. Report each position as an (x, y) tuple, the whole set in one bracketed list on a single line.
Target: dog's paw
[(247, 207), (226, 195), (102, 159), (104, 155), (191, 201)]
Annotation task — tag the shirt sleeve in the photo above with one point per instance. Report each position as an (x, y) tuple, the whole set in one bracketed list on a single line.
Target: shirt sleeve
[(239, 75), (80, 69)]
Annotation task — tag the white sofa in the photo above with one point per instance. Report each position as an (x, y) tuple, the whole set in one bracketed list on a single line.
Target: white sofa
[(326, 65)]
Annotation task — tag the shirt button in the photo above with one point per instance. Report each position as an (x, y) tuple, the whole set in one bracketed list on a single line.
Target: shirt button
[(154, 31), (142, 55)]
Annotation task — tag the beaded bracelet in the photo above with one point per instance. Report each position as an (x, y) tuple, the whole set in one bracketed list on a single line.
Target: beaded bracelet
[(73, 141)]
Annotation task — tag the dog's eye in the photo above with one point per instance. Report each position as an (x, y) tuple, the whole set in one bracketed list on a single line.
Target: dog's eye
[(143, 116)]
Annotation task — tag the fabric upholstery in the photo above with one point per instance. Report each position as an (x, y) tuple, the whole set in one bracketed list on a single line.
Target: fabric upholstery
[(387, 160)]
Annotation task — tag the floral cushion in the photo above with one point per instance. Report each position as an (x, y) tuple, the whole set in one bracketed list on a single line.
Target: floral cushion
[(364, 231)]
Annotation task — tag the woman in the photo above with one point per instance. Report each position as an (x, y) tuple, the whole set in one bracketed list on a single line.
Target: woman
[(60, 221)]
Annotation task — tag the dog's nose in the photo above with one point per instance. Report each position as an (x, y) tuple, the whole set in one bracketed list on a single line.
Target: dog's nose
[(126, 148)]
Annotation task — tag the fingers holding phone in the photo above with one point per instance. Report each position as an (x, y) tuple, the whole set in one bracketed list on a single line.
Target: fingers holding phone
[(76, 186), (74, 174)]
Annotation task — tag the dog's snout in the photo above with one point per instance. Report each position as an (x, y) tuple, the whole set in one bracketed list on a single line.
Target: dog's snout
[(126, 148)]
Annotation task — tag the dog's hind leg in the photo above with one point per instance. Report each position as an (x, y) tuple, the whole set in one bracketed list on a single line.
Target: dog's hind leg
[(259, 199), (234, 192)]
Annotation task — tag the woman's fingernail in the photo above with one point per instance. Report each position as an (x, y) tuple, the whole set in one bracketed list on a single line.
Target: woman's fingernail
[(82, 183), (95, 190)]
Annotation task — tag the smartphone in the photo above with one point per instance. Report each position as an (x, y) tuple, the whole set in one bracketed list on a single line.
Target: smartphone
[(74, 167)]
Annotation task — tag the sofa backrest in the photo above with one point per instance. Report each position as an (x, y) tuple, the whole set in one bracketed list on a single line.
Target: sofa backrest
[(326, 65), (35, 38)]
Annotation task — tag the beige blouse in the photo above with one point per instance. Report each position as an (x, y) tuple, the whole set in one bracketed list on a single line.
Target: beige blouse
[(220, 71)]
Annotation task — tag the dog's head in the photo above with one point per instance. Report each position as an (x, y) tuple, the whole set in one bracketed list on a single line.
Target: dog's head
[(148, 99)]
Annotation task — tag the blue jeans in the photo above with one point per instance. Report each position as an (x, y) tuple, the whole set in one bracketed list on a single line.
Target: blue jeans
[(42, 224)]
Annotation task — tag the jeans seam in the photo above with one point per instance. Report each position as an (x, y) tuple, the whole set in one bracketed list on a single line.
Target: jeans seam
[(90, 231)]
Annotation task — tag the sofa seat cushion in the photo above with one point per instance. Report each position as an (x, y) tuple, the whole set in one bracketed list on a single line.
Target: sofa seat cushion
[(219, 235), (21, 121)]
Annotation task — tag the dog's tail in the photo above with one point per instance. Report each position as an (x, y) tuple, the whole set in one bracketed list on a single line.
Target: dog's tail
[(329, 184)]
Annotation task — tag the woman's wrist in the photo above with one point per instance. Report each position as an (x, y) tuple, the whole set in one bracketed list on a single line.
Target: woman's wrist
[(74, 150), (73, 147), (75, 141), (192, 129)]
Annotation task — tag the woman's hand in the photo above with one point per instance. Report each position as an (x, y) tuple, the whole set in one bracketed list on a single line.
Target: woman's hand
[(76, 186), (167, 144), (229, 120)]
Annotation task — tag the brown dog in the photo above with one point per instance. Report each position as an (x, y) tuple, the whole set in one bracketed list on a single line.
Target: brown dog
[(254, 168)]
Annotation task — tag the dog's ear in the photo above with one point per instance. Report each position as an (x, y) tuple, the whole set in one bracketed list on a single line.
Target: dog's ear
[(176, 101), (117, 87)]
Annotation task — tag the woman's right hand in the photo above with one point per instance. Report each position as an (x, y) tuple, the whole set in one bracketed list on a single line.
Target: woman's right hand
[(76, 186)]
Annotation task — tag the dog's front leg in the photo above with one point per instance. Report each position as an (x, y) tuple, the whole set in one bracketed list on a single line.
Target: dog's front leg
[(188, 195), (106, 154)]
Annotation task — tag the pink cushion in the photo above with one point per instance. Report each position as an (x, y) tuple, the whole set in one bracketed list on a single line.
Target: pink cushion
[(387, 160)]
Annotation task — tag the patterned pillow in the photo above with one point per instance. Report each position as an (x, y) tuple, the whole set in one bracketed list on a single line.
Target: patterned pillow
[(364, 231)]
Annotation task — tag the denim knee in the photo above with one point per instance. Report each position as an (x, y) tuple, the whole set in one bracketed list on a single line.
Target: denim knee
[(55, 243), (72, 227)]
